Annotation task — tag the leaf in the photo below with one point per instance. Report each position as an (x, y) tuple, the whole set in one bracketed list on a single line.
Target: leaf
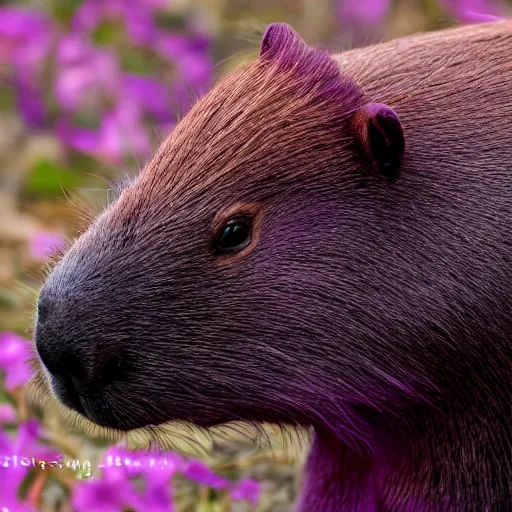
[(63, 10), (49, 178), (8, 299), (107, 33)]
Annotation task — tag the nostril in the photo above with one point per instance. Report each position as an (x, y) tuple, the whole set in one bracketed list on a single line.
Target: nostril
[(95, 371)]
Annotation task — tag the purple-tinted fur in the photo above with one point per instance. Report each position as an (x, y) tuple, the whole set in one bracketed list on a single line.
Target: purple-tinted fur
[(281, 45), (378, 312)]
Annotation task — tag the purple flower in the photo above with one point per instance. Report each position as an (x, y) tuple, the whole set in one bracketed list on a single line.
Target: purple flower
[(158, 495), (14, 352), (140, 24), (157, 469), (171, 46), (118, 466), (248, 490), (10, 480), (44, 243), (112, 493), (201, 473), (25, 36), (369, 12), (30, 103), (117, 135), (150, 94), (25, 41), (28, 445), (86, 75), (7, 414), (137, 16), (89, 84), (189, 55), (473, 11), (15, 461), (121, 129), (195, 69), (122, 132)]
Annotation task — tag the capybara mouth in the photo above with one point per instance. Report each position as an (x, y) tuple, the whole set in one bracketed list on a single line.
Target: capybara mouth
[(98, 407)]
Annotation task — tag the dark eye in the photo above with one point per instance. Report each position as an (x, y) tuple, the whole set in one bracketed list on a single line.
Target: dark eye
[(234, 236)]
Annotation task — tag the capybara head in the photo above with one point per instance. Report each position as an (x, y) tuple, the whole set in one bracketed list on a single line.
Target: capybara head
[(246, 272)]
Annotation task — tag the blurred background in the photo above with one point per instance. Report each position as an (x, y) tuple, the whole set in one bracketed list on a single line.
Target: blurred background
[(88, 88)]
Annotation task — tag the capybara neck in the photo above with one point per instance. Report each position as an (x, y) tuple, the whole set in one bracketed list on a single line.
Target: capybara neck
[(454, 452), (450, 462)]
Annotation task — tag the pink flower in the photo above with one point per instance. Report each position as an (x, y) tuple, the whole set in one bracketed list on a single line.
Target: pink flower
[(25, 41), (14, 353), (137, 16), (10, 480), (112, 493), (30, 103), (25, 36), (201, 473), (474, 11), (7, 414), (121, 132), (86, 75), (369, 12), (115, 491), (151, 94), (15, 462), (248, 490), (189, 55), (44, 243)]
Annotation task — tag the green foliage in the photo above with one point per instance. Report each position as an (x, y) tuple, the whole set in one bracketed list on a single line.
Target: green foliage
[(48, 178), (62, 10), (107, 33)]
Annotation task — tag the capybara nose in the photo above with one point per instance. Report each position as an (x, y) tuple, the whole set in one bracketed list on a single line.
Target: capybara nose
[(75, 368)]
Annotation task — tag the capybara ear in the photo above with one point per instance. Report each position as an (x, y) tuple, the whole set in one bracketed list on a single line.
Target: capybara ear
[(280, 39), (378, 129)]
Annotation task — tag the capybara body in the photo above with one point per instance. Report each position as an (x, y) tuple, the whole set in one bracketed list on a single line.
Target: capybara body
[(324, 241)]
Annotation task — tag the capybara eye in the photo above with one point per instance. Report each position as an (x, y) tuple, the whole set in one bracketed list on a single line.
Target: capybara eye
[(234, 235)]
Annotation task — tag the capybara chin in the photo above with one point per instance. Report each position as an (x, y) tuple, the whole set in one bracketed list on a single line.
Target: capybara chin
[(323, 240)]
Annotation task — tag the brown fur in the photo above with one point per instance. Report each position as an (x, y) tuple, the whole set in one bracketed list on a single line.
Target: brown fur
[(377, 311)]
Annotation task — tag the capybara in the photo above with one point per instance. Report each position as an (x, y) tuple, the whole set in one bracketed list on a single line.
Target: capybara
[(323, 240)]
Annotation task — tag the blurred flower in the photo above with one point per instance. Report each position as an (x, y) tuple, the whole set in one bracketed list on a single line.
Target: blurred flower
[(14, 352), (370, 12), (195, 69), (120, 132), (16, 459), (25, 37), (248, 490), (43, 243), (189, 55), (100, 108), (10, 481), (473, 11), (28, 443), (30, 104), (25, 41), (112, 493), (157, 495), (119, 465), (86, 75), (137, 16), (150, 94), (201, 473), (7, 414)]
